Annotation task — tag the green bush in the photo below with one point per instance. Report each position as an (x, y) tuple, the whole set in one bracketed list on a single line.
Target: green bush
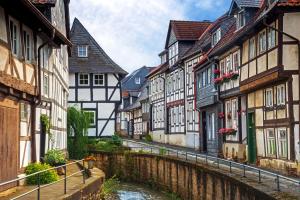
[(45, 177), (162, 151), (116, 140), (55, 157), (148, 138)]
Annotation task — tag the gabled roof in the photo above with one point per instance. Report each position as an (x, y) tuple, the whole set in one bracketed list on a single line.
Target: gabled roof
[(97, 61), (128, 83), (244, 4), (158, 69), (186, 30)]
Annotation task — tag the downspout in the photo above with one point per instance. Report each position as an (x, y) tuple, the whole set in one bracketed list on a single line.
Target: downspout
[(39, 100), (290, 107)]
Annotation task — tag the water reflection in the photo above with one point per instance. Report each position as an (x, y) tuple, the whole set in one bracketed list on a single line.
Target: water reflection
[(130, 191)]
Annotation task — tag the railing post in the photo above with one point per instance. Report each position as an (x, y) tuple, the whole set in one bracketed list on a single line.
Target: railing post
[(278, 183), (83, 173), (151, 150), (218, 161), (230, 167), (259, 176), (39, 187), (206, 158), (244, 175), (65, 185)]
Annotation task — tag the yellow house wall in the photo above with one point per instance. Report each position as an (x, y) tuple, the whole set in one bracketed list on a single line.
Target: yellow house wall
[(244, 72), (259, 117), (252, 68), (262, 64), (260, 142), (272, 58), (245, 52), (290, 57), (3, 57), (3, 34), (259, 100), (251, 100), (295, 87), (291, 25)]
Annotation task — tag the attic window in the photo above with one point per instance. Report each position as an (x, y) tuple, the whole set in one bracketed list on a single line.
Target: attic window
[(241, 19), (82, 51), (216, 36), (137, 80)]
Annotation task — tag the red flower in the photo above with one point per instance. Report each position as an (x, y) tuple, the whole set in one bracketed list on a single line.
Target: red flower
[(217, 71), (227, 131), (218, 80), (221, 115)]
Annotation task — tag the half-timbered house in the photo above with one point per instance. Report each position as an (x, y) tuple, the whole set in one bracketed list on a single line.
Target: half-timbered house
[(207, 94), (95, 82), (24, 31)]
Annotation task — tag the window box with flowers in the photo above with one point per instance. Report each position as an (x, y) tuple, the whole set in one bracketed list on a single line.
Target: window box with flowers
[(221, 115), (234, 75), (227, 131), (217, 72), (226, 77), (218, 80)]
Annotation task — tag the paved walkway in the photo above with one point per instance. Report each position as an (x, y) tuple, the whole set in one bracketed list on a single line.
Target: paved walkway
[(55, 191), (268, 180)]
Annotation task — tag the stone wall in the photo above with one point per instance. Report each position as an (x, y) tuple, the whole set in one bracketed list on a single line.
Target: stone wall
[(188, 180)]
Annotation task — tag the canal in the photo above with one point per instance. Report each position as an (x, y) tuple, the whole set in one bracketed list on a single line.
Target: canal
[(130, 191)]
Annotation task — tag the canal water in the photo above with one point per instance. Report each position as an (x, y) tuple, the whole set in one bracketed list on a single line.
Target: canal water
[(129, 191)]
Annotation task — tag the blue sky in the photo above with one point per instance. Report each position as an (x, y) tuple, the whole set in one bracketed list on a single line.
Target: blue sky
[(133, 32)]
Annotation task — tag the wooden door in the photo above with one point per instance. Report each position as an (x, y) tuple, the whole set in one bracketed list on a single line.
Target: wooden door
[(251, 139), (9, 142)]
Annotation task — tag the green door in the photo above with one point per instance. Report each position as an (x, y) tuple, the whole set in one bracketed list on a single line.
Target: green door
[(251, 139)]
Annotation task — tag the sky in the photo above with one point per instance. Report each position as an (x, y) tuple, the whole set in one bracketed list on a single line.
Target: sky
[(133, 32)]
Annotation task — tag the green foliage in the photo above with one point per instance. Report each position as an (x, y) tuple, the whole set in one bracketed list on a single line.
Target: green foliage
[(162, 151), (55, 157), (106, 144), (148, 138), (78, 123), (46, 124), (172, 196), (109, 187), (116, 140), (45, 177)]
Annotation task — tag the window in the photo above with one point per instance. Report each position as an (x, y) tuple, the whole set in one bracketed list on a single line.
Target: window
[(235, 61), (216, 36), (271, 38), (23, 111), (222, 67), (269, 98), (27, 45), (271, 145), (241, 19), (137, 80), (92, 117), (203, 78), (252, 51), (262, 41), (182, 115), (228, 115), (228, 64), (99, 79), (46, 85), (209, 76), (211, 126), (280, 95), (83, 51), (282, 144), (84, 79), (173, 53), (13, 36)]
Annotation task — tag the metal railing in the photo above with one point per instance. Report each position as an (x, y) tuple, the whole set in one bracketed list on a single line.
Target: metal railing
[(216, 162), (39, 186)]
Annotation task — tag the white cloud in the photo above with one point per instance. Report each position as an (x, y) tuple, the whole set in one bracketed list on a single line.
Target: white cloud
[(132, 32)]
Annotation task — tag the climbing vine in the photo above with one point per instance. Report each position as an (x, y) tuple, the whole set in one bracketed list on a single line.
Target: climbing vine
[(45, 122)]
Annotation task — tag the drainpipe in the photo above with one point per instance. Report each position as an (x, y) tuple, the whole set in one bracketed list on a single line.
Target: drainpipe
[(298, 43), (39, 100)]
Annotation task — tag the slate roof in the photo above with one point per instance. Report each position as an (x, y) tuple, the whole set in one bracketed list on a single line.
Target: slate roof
[(248, 3), (188, 30), (128, 83), (98, 61), (143, 95)]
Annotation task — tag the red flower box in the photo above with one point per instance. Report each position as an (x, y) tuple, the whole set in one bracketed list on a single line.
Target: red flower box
[(221, 115), (218, 80), (217, 72), (227, 131)]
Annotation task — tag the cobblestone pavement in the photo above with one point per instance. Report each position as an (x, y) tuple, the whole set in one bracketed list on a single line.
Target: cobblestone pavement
[(257, 177)]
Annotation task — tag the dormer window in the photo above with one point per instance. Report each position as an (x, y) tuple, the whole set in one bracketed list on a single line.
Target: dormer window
[(216, 36), (173, 53), (82, 51), (137, 80), (241, 19), (163, 58)]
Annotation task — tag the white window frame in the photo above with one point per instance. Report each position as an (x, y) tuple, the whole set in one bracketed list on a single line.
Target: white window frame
[(82, 51), (99, 80), (46, 85), (271, 37), (94, 116), (236, 63), (262, 40), (211, 126), (269, 97), (208, 73), (88, 79), (173, 53), (28, 44), (252, 48), (282, 143), (23, 111), (241, 20), (280, 94), (216, 36), (14, 36), (271, 143), (137, 80)]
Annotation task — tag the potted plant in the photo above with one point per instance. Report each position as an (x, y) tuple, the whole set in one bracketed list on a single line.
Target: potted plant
[(91, 161), (55, 158)]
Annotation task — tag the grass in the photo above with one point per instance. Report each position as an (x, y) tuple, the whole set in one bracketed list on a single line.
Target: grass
[(109, 187)]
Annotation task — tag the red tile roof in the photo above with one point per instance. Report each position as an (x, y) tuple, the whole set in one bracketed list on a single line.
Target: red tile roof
[(289, 3), (188, 30), (157, 69)]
